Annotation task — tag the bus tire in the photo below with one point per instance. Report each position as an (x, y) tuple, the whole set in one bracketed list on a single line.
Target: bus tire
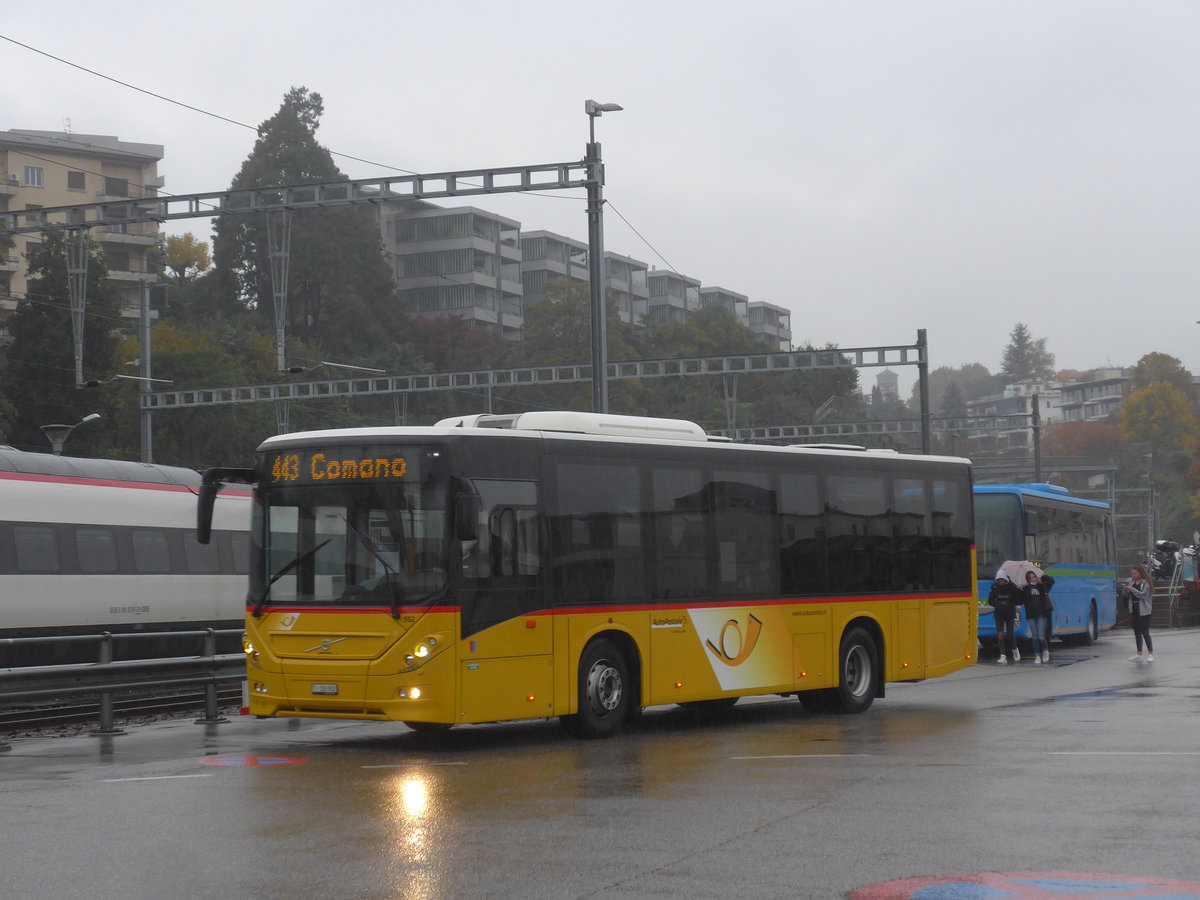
[(605, 692), (858, 672), (1093, 628), (429, 727)]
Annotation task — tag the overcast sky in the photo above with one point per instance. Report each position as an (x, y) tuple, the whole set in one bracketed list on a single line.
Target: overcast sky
[(875, 167)]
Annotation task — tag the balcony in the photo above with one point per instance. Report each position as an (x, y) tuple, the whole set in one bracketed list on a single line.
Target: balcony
[(9, 186)]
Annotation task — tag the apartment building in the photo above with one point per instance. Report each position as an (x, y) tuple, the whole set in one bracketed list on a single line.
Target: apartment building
[(1097, 398), (673, 297), (48, 168), (547, 257), (459, 261), (771, 325), (732, 302)]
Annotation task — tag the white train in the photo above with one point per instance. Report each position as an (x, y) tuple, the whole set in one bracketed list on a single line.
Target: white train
[(93, 545)]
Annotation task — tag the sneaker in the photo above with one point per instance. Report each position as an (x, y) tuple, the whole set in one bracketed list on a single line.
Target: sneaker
[(1016, 656), (1045, 656), (1003, 660), (1149, 657), (1037, 660), (1137, 658)]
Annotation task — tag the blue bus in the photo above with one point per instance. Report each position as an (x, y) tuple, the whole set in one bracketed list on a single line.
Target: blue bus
[(1072, 539)]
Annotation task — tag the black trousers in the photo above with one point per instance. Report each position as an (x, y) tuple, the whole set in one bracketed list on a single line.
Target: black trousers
[(1005, 625), (1141, 631)]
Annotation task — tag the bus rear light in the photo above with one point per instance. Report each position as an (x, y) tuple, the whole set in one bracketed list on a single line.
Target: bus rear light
[(679, 684), (531, 623), (530, 698)]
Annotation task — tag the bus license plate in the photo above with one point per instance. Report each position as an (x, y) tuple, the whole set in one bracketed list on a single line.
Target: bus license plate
[(324, 688)]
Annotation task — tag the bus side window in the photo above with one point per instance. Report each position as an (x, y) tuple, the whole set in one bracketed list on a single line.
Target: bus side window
[(514, 544)]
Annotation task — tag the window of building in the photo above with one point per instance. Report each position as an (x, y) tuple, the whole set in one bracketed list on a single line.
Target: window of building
[(118, 260), (116, 187), (76, 181), (32, 220), (33, 176)]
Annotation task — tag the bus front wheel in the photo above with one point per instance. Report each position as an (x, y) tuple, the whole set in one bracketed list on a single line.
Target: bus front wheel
[(605, 694)]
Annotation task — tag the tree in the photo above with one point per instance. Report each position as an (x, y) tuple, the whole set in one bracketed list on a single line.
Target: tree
[(40, 366), (340, 295), (1161, 415), (186, 257), (973, 380), (1026, 359), (953, 406), (1159, 367)]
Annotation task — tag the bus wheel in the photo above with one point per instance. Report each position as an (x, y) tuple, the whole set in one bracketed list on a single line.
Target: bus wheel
[(1093, 628), (604, 692), (429, 727), (858, 672)]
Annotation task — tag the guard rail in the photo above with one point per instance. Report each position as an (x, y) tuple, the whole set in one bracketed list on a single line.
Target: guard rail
[(107, 676)]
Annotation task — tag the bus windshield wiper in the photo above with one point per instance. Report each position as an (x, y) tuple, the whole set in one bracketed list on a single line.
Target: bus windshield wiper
[(389, 572), (287, 568)]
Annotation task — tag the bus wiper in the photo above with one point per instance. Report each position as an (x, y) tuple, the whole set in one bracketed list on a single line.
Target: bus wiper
[(287, 568), (389, 572)]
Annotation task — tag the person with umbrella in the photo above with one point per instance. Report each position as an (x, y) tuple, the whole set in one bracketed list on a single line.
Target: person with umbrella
[(1037, 612), (1004, 598)]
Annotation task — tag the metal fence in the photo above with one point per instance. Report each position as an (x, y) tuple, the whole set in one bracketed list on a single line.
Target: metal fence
[(108, 676)]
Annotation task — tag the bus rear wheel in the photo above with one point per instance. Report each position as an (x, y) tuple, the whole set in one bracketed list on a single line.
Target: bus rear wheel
[(858, 677), (605, 694)]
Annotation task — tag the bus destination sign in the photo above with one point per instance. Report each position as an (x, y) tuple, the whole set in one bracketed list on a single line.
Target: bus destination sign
[(317, 467)]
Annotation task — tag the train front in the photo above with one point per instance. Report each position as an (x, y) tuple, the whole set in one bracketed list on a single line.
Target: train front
[(349, 613)]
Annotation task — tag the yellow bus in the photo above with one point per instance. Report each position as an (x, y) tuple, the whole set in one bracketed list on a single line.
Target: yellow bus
[(588, 566)]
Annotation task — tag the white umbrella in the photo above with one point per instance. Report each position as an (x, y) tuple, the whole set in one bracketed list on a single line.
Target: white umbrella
[(1016, 570)]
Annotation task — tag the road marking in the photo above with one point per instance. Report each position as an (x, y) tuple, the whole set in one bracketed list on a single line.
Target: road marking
[(153, 778), (808, 756), (1123, 753)]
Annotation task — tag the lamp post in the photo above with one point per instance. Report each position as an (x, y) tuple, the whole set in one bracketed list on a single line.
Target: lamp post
[(58, 434), (595, 214)]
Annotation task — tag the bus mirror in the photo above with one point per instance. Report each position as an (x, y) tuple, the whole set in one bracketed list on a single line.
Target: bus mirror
[(466, 517), (204, 510), (1031, 522), (210, 485)]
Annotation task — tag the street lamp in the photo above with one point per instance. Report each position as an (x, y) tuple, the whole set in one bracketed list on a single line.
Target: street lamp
[(58, 434), (595, 214)]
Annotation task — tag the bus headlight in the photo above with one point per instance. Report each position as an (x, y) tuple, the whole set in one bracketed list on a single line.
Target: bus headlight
[(421, 650)]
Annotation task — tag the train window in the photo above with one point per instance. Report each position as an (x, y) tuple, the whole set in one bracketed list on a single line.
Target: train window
[(240, 542), (202, 559), (150, 551), (37, 548), (97, 549)]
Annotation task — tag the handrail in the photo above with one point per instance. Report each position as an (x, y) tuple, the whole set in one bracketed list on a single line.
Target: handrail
[(106, 676)]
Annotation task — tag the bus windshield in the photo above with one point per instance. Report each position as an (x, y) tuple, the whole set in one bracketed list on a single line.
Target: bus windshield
[(350, 539), (999, 532)]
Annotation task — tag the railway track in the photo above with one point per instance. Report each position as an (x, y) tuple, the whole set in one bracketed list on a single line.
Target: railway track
[(75, 716)]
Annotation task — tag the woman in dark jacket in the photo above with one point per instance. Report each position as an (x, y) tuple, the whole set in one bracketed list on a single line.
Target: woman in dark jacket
[(1004, 598), (1037, 611)]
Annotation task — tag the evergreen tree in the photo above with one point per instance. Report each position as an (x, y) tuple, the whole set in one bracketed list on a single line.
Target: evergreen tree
[(953, 406), (40, 365), (340, 295), (1026, 359)]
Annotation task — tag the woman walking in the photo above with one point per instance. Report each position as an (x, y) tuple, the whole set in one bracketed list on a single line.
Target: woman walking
[(1037, 611), (1140, 592)]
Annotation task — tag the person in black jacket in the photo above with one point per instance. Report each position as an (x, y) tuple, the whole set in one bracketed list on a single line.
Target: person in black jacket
[(1004, 598), (1037, 611)]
